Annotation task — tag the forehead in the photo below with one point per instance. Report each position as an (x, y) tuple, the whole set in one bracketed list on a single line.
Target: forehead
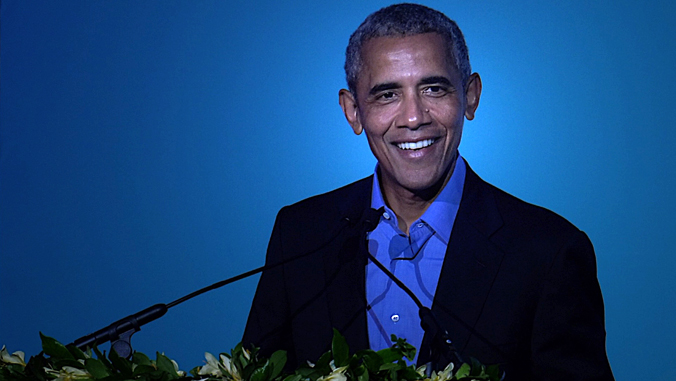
[(398, 58)]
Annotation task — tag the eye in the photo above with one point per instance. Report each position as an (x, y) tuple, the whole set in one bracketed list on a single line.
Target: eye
[(435, 91), (386, 96)]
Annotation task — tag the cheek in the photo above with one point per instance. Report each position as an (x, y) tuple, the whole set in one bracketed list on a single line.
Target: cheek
[(451, 118), (378, 149), (377, 124), (447, 108)]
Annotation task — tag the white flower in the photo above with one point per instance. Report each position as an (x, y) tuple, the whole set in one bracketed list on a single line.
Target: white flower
[(226, 364), (338, 374), (230, 369), (224, 368), (421, 370), (444, 375), (15, 358), (178, 371), (211, 368)]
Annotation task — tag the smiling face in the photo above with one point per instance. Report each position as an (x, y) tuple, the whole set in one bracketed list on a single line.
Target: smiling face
[(411, 104)]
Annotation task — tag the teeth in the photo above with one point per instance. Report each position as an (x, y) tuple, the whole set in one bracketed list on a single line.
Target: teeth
[(416, 145)]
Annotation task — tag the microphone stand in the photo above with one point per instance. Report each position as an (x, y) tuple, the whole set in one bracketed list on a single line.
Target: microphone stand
[(119, 333)]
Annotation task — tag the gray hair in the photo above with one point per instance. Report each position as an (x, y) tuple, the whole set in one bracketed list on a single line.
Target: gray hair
[(400, 20)]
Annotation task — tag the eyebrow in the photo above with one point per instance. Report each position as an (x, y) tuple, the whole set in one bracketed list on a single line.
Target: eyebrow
[(384, 87), (436, 79), (425, 81)]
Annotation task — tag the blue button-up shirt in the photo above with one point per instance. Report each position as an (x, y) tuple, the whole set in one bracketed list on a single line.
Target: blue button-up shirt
[(415, 259)]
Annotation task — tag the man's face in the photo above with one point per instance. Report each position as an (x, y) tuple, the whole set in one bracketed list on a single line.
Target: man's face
[(411, 104)]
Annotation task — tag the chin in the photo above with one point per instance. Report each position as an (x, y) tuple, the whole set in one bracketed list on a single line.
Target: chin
[(419, 182), (422, 184)]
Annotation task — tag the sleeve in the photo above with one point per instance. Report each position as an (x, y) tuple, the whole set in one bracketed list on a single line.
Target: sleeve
[(568, 341), (268, 325)]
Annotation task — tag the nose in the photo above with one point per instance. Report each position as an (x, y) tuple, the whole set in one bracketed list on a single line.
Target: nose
[(413, 113)]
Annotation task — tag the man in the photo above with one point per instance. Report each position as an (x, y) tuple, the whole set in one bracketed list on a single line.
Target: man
[(512, 283)]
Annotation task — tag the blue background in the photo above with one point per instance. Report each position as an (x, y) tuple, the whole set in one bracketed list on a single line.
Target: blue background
[(145, 148)]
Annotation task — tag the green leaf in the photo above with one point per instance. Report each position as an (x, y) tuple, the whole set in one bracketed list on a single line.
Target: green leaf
[(305, 372), (407, 349), (35, 368), (164, 364), (239, 360), (96, 368), (55, 349), (143, 369), (102, 357), (76, 352), (260, 374), (463, 371), (410, 374), (371, 360), (277, 361), (493, 372), (322, 364), (393, 375), (339, 348), (389, 366), (293, 377), (477, 368), (120, 364), (389, 355), (363, 376), (13, 372), (140, 358), (60, 363), (193, 371)]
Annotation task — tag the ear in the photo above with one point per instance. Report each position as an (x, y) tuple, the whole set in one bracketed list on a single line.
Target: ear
[(472, 95), (349, 105)]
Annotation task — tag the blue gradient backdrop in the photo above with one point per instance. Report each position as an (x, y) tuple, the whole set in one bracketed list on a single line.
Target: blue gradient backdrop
[(146, 146)]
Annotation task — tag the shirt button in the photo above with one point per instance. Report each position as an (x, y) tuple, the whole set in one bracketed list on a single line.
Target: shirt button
[(420, 224), (386, 215), (395, 318)]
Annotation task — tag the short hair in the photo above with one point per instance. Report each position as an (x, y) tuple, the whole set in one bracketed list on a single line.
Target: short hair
[(401, 20)]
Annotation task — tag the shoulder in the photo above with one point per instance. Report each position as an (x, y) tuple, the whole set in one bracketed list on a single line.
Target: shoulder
[(515, 222), (315, 218), (529, 216), (548, 275), (343, 200)]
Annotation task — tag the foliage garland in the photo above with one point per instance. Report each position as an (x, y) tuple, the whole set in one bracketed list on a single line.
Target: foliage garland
[(68, 363)]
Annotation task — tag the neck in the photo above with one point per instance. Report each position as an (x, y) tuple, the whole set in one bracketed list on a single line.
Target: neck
[(410, 205)]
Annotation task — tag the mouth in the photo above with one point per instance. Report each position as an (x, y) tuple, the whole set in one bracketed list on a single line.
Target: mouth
[(416, 145)]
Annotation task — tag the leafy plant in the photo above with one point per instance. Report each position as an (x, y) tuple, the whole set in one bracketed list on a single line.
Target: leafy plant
[(66, 363)]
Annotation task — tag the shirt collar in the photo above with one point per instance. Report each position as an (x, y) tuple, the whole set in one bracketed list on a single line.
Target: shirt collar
[(445, 205)]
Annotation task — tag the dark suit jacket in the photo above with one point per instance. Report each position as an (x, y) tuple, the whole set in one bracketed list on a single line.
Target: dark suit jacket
[(518, 285)]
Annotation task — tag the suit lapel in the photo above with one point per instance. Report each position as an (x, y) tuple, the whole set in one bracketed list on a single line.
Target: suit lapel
[(470, 265), (344, 269)]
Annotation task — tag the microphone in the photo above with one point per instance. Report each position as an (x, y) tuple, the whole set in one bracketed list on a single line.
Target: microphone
[(371, 218), (119, 333)]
